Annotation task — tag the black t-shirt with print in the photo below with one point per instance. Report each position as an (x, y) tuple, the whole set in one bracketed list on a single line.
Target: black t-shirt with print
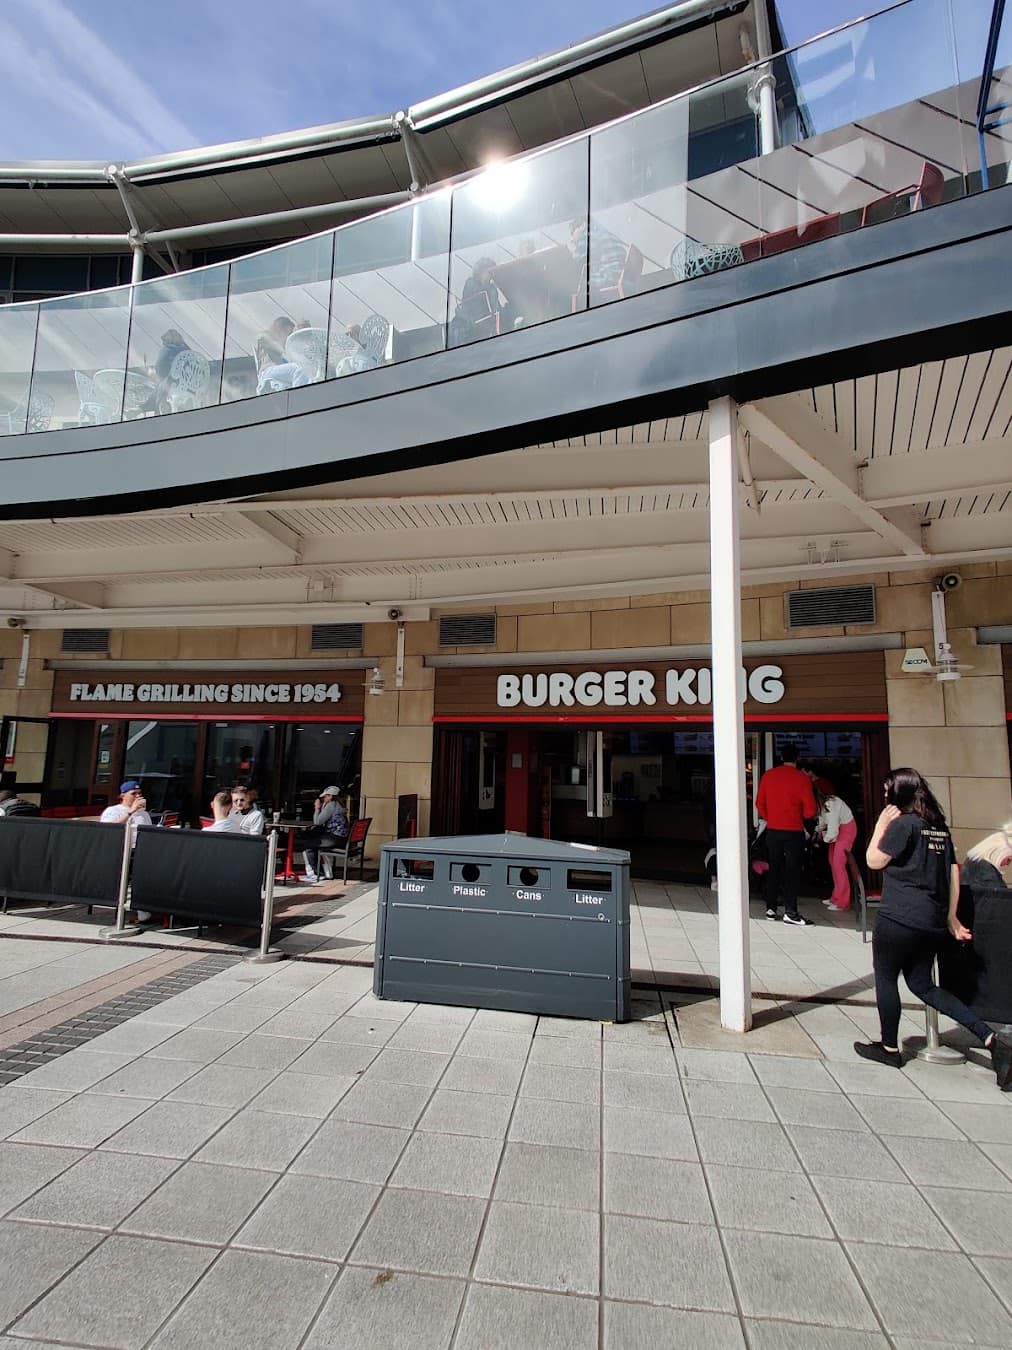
[(915, 885)]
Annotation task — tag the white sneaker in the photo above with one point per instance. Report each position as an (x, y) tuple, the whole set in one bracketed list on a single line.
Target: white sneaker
[(309, 876)]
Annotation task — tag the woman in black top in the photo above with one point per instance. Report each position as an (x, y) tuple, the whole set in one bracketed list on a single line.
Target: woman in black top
[(912, 848)]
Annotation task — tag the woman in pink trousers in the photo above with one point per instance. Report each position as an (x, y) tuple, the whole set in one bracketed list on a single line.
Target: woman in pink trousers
[(839, 831)]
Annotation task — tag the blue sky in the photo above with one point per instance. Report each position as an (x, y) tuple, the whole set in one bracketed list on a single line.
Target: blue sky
[(105, 79)]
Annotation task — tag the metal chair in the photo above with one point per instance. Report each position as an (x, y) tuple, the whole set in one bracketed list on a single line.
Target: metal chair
[(354, 847), (33, 415), (93, 411), (189, 376), (373, 337), (307, 347)]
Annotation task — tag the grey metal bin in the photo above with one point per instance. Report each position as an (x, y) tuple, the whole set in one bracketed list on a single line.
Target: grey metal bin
[(505, 921)]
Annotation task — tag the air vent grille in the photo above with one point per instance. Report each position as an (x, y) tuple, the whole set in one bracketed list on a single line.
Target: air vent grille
[(85, 640), (831, 607), (337, 637), (467, 630)]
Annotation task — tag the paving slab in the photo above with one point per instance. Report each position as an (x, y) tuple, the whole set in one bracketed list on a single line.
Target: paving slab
[(383, 1310), (309, 1216), (98, 1191), (200, 1203), (932, 1294), (33, 1258), (421, 1231), (681, 1265), (636, 1324)]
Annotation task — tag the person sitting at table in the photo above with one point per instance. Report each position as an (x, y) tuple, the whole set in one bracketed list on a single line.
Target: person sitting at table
[(224, 821), (13, 805), (173, 343), (274, 370), (132, 809), (329, 830), (479, 301), (602, 268), (246, 811)]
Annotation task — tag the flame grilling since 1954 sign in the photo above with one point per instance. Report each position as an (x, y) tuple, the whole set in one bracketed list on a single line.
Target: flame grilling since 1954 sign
[(149, 693)]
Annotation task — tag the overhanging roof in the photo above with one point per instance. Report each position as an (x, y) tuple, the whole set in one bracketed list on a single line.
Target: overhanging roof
[(518, 109)]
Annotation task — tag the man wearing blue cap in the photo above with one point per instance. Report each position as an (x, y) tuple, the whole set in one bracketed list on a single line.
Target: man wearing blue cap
[(132, 808)]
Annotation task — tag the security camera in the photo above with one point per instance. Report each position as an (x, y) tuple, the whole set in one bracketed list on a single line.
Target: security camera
[(949, 581), (13, 623), (395, 614)]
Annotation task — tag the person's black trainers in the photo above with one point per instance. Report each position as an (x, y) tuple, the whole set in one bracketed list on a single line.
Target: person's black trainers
[(772, 914), (878, 1054), (1001, 1059), (798, 919)]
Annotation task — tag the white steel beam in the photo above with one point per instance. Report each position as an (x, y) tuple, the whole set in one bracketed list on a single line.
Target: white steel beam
[(976, 469), (274, 532), (797, 435), (728, 720)]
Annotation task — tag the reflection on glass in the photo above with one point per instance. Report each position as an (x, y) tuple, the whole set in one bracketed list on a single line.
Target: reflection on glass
[(80, 356), (240, 753), (390, 283), (874, 106), (668, 199), (161, 756), (177, 333), (277, 325), (988, 156), (519, 244), (319, 755), (17, 347)]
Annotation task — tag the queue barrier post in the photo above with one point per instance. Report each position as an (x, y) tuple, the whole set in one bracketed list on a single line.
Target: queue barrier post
[(267, 954), (122, 928), (933, 1051)]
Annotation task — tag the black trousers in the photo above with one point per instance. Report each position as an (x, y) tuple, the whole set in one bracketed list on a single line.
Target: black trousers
[(784, 877), (311, 851), (898, 950)]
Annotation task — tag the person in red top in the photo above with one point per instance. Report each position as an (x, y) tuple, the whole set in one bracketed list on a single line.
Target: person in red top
[(785, 800)]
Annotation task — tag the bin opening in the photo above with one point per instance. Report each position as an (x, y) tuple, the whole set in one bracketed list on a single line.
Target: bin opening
[(469, 872), (421, 869), (528, 876), (586, 879)]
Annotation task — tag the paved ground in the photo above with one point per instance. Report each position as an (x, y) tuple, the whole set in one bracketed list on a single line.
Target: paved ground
[(274, 1159), (673, 939)]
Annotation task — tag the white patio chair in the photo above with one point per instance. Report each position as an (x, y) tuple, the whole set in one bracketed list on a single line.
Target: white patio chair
[(307, 347)]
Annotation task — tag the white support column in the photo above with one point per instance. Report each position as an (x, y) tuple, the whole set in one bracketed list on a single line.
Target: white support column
[(728, 720)]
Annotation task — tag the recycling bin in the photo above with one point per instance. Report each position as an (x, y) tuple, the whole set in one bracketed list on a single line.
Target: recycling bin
[(505, 921)]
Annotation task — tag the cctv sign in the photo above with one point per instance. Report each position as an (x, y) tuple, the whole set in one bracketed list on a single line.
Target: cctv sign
[(915, 661)]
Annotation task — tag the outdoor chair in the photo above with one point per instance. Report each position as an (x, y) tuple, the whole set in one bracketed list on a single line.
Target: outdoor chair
[(373, 337), (927, 191), (189, 376), (32, 415), (354, 847), (93, 411), (307, 347)]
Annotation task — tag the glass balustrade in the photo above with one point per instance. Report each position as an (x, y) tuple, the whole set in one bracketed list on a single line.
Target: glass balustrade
[(177, 338), (881, 118), (17, 350)]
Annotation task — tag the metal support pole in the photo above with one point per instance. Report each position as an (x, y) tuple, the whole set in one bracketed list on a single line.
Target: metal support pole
[(934, 1052), (764, 89), (122, 928), (137, 271), (728, 720), (267, 955)]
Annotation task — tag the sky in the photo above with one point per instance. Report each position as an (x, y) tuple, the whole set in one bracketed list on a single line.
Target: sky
[(108, 80)]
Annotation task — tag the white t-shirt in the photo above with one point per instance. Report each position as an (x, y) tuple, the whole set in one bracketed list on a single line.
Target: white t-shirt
[(228, 825), (252, 821), (835, 813), (115, 815)]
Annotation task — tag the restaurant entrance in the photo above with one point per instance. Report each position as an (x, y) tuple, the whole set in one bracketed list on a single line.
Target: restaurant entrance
[(623, 756)]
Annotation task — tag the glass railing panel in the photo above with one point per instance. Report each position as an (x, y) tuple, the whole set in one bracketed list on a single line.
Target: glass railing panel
[(519, 244), (388, 301), (80, 357), (866, 127), (17, 348), (177, 336), (272, 297), (987, 145), (669, 200)]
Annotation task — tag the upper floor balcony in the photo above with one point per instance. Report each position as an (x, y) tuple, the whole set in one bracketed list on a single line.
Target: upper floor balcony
[(885, 117)]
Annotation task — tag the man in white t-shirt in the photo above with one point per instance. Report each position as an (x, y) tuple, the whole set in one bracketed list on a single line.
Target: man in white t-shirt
[(224, 820), (131, 808), (246, 811)]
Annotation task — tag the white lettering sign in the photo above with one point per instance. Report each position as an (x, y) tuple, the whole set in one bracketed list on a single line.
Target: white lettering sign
[(689, 688), (81, 692)]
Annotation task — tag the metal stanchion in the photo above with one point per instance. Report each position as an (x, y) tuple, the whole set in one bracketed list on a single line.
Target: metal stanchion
[(122, 928), (934, 1052), (267, 954)]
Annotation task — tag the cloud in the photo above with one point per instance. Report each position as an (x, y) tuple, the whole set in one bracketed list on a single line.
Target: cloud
[(92, 61), (49, 86)]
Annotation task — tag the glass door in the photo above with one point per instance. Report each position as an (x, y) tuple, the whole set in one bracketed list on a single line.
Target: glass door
[(25, 743)]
